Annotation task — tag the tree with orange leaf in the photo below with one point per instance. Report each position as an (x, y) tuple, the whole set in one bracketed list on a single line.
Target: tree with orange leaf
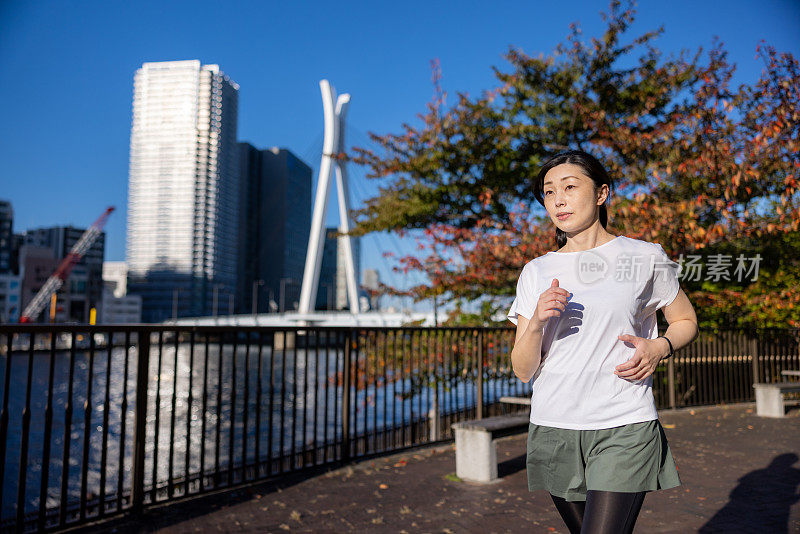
[(700, 167)]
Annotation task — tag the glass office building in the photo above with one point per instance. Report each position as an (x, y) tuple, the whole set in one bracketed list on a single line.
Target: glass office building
[(274, 227)]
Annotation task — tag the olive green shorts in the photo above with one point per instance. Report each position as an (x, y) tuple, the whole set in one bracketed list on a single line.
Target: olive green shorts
[(629, 458)]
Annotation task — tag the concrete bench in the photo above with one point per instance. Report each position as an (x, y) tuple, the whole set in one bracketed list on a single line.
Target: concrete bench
[(476, 454), (769, 397), (525, 401)]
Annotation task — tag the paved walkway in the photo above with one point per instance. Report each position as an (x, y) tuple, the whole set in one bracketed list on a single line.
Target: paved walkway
[(740, 473)]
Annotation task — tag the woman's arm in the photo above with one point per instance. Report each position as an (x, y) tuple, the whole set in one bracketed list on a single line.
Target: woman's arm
[(649, 352), (682, 321), (526, 356)]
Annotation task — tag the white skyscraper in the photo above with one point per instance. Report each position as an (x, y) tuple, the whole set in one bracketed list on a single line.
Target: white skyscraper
[(183, 189)]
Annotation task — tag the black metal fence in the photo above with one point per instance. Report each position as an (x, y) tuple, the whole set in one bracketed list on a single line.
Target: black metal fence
[(99, 421)]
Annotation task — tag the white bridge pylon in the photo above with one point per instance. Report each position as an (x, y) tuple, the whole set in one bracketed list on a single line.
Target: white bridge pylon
[(333, 144)]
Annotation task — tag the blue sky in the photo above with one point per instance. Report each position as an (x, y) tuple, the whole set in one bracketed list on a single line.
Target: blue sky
[(66, 77)]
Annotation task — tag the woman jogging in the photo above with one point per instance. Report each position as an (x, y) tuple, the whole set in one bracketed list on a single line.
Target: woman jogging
[(587, 336)]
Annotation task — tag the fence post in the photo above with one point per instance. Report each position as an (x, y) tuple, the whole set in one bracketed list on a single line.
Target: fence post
[(671, 380), (140, 432), (479, 386), (433, 412), (433, 415), (754, 357), (347, 369)]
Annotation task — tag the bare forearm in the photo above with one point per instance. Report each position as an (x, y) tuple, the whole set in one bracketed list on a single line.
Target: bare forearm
[(680, 333), (526, 356)]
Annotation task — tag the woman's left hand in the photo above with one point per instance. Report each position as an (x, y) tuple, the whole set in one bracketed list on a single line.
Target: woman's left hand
[(644, 361)]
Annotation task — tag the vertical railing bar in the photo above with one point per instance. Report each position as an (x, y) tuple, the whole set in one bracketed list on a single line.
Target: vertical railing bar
[(403, 387), (316, 393), (87, 426), (189, 401), (710, 369), (4, 412), (48, 428), (479, 387), (123, 423), (292, 459), (745, 370), (246, 414), (23, 454), (304, 446), (385, 388), (356, 387), (336, 424), (425, 427), (357, 381), (431, 351), (327, 397), (204, 415), (439, 349), (412, 423), (721, 377), (416, 424), (106, 409), (365, 412), (451, 355), (259, 393), (700, 369), (217, 439), (140, 431), (232, 433), (346, 396), (281, 448), (734, 363), (374, 335), (741, 340), (394, 388), (270, 415), (156, 433)]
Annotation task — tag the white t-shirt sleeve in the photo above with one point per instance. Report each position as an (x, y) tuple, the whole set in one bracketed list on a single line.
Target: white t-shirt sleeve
[(664, 283), (526, 298)]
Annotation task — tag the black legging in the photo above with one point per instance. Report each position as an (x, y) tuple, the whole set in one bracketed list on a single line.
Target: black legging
[(603, 512)]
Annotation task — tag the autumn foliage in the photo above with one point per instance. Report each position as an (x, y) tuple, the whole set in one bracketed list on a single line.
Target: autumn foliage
[(699, 166)]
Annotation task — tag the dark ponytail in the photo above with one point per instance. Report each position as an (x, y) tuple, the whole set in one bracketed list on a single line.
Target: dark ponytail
[(591, 168)]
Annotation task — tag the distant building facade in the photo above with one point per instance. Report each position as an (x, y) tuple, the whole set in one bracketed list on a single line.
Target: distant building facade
[(275, 222), (42, 251), (10, 280), (10, 297), (6, 236), (333, 272), (118, 307), (183, 190)]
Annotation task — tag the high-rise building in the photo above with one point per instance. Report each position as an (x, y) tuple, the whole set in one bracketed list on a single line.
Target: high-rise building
[(6, 236), (333, 270), (274, 227), (183, 190)]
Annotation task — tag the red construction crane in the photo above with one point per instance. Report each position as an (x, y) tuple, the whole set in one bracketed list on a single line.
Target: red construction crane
[(56, 280)]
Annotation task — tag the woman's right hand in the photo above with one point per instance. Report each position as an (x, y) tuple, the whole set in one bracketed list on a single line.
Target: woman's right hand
[(551, 303)]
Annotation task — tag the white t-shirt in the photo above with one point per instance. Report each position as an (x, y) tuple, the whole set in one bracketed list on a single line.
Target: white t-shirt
[(616, 289)]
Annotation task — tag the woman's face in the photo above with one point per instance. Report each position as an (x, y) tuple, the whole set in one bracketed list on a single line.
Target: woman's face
[(568, 190)]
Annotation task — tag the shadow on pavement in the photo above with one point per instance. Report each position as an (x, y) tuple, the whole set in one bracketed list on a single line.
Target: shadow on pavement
[(761, 501)]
